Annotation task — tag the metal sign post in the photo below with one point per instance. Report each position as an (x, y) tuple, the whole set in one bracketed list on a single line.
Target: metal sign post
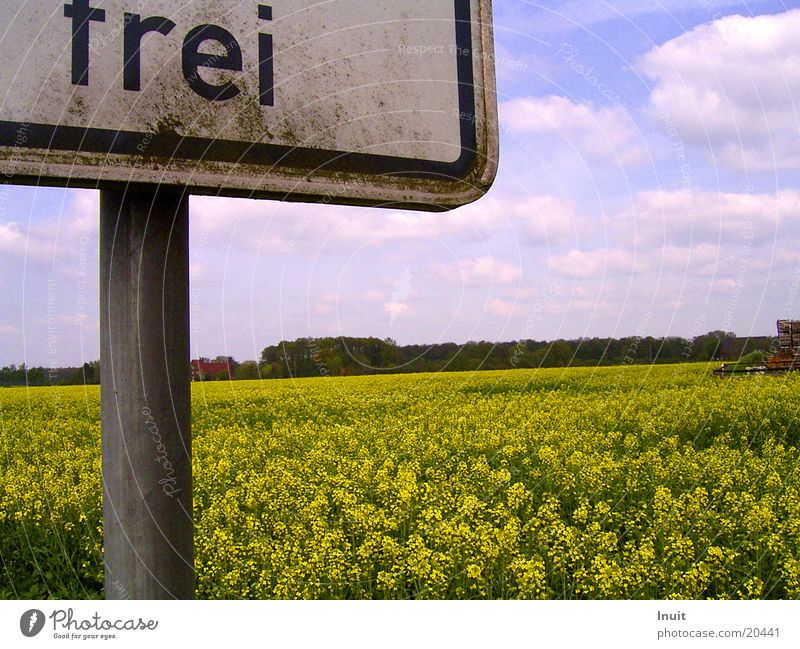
[(362, 102), (145, 400)]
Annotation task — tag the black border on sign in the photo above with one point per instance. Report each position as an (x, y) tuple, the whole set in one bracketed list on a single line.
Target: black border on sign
[(172, 146)]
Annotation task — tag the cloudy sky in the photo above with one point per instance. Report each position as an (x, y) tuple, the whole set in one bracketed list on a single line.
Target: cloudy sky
[(649, 184)]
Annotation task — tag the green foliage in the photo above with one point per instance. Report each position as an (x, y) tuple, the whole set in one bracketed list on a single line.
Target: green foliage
[(754, 358), (40, 376), (309, 357), (89, 374), (246, 371)]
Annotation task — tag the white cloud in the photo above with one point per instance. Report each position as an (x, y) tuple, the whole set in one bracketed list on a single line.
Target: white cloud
[(596, 263), (604, 263), (510, 64), (684, 234), (396, 308), (482, 271), (605, 134), (54, 236), (700, 260), (685, 218), (290, 228), (547, 219), (681, 251), (84, 213), (731, 86)]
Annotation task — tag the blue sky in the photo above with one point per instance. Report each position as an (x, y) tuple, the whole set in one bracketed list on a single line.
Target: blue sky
[(648, 185)]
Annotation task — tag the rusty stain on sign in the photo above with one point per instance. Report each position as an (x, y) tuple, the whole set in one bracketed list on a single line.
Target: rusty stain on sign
[(349, 101)]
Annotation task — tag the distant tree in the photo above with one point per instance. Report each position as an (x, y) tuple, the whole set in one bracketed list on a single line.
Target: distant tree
[(225, 359), (352, 356), (88, 374), (559, 354), (248, 370)]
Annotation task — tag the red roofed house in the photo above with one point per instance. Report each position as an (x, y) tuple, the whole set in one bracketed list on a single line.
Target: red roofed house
[(206, 370)]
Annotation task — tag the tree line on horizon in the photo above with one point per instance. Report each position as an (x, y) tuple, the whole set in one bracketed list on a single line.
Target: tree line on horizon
[(352, 356), (343, 356)]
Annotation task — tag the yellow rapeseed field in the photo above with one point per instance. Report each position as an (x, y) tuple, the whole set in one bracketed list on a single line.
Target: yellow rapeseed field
[(627, 482)]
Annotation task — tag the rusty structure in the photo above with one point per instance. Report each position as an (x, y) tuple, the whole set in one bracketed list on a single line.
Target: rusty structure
[(788, 356)]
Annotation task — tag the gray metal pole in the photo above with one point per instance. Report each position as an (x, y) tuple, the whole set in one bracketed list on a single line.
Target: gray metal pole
[(145, 402)]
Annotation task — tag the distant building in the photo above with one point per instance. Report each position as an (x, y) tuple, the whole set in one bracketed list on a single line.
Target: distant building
[(205, 370)]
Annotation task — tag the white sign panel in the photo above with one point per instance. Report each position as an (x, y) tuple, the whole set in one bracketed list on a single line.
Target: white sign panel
[(341, 101)]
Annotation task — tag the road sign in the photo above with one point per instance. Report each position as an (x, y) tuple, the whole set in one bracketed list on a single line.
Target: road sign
[(345, 101)]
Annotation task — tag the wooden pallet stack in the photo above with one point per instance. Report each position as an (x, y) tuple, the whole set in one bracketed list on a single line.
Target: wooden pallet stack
[(788, 356)]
